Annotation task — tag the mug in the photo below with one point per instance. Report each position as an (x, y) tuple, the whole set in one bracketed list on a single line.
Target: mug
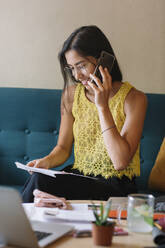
[(140, 211)]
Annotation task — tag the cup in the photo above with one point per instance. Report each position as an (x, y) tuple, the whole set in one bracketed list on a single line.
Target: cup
[(140, 211)]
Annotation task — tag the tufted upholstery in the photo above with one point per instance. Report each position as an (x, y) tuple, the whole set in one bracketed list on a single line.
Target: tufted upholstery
[(29, 127)]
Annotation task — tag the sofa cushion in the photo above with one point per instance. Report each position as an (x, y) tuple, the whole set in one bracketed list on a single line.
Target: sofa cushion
[(153, 134), (157, 175), (29, 128)]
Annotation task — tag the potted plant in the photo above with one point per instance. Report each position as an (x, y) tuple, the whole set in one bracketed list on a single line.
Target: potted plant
[(102, 228)]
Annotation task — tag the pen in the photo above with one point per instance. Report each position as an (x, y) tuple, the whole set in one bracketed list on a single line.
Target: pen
[(158, 226)]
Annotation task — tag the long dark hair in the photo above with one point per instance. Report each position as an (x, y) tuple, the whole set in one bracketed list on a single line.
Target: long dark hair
[(87, 41)]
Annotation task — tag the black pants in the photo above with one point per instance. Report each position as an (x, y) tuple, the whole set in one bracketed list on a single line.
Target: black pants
[(78, 188)]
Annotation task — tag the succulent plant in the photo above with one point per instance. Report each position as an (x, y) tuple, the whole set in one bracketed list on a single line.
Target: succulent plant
[(101, 213)]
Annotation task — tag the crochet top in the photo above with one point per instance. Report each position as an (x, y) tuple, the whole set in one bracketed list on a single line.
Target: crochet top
[(91, 156)]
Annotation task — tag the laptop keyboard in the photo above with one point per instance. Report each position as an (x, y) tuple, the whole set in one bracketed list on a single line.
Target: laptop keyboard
[(41, 235)]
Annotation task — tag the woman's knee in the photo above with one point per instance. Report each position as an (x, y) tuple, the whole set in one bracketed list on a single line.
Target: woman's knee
[(38, 177)]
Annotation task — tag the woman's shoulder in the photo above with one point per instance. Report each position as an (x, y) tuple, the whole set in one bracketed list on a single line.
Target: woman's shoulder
[(69, 91), (68, 96), (136, 94), (132, 91), (136, 97)]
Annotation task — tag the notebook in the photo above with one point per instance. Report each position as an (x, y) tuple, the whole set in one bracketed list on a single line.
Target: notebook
[(15, 228)]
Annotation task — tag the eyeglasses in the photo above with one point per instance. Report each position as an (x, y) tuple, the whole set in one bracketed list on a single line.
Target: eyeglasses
[(82, 68)]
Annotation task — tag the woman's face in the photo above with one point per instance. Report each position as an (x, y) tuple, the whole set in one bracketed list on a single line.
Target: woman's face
[(80, 67)]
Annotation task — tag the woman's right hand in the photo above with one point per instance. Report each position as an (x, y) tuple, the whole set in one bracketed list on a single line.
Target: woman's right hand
[(43, 163)]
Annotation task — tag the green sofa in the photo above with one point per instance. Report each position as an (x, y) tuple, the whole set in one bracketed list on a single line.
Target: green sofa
[(29, 127)]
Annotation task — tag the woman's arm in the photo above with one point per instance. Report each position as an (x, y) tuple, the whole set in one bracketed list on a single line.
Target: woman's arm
[(122, 146), (62, 150)]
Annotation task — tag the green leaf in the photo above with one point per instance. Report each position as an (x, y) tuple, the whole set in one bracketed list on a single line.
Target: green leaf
[(94, 208), (107, 208), (101, 212)]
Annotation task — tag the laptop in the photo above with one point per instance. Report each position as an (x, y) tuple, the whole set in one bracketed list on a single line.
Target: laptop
[(17, 231)]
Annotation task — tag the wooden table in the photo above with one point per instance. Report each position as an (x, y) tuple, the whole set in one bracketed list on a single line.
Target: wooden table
[(130, 241), (133, 240)]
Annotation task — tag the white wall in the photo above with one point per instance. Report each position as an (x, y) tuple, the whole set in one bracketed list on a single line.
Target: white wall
[(32, 33)]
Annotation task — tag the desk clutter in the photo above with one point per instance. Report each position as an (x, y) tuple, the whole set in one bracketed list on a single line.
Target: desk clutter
[(80, 216), (76, 221)]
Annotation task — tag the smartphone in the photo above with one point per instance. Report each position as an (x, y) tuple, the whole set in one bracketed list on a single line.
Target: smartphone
[(106, 60)]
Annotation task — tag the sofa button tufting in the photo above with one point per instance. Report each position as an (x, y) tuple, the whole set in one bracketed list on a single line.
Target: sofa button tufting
[(26, 158), (141, 161), (55, 132), (27, 131)]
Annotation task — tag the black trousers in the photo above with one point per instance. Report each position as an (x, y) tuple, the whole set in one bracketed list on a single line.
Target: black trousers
[(78, 188)]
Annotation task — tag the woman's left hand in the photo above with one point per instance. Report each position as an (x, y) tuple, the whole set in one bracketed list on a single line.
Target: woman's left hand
[(101, 89)]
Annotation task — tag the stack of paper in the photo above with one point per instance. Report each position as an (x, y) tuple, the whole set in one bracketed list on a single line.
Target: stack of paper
[(79, 217)]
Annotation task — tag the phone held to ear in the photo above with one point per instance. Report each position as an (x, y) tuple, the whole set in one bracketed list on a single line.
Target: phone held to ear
[(106, 60)]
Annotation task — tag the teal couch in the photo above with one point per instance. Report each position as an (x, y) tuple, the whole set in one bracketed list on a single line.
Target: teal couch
[(29, 128)]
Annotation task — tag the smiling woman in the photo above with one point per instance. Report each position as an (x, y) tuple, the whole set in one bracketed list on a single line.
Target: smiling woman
[(104, 119), (82, 67), (89, 42)]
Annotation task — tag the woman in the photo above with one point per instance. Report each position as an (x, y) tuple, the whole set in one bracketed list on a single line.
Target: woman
[(104, 118)]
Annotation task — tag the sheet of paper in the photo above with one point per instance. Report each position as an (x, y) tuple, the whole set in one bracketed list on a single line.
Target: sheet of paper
[(51, 173), (34, 169), (69, 215)]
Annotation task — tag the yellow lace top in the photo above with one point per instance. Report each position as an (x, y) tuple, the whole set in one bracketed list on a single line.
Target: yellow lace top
[(91, 156)]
